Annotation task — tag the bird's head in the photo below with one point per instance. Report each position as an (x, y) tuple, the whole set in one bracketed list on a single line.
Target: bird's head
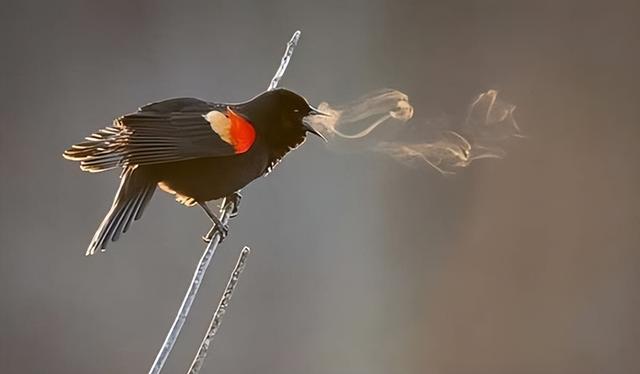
[(280, 114)]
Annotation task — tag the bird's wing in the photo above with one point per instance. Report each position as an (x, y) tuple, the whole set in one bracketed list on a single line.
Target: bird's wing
[(179, 104), (150, 138), (166, 131)]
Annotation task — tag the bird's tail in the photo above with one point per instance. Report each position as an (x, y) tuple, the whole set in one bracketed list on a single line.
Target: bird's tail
[(135, 191)]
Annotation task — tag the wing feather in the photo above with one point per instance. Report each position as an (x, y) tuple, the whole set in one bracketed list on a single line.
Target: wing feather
[(165, 131)]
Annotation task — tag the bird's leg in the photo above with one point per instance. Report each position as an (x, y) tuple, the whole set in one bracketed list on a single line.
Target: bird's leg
[(234, 199), (217, 224)]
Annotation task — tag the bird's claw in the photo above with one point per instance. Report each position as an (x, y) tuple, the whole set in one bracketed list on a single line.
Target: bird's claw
[(222, 229)]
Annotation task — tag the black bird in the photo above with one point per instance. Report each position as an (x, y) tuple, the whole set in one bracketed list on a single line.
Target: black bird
[(193, 149)]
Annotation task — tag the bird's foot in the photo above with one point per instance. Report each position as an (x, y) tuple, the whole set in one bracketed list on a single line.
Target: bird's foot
[(218, 226), (221, 228)]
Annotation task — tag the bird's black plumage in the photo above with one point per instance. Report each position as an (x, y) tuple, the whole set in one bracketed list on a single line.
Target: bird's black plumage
[(187, 147)]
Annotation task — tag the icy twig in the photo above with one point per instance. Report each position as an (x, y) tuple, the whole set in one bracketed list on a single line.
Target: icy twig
[(225, 212), (291, 45), (223, 305)]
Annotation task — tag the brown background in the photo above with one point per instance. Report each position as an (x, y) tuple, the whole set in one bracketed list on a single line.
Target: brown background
[(525, 265)]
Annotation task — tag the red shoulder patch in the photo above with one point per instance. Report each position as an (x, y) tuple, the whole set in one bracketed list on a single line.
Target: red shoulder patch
[(241, 132)]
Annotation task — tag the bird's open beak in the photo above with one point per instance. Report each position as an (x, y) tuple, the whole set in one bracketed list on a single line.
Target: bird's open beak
[(315, 132), (316, 112)]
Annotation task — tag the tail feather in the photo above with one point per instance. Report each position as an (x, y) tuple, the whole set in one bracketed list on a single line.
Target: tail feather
[(132, 197), (99, 152)]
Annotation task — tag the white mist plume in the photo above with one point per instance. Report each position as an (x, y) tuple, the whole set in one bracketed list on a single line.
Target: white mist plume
[(385, 104), (444, 144)]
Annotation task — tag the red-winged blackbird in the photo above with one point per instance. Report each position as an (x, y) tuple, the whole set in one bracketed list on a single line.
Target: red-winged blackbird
[(196, 150)]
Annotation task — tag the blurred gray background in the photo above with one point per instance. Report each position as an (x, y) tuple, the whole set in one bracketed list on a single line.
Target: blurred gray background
[(524, 265)]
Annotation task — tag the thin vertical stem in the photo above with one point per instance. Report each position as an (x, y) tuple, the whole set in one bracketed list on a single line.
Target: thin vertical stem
[(189, 297), (288, 52), (223, 305), (203, 264)]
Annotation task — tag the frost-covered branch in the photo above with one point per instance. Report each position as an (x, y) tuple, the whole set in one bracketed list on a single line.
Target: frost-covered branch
[(225, 212), (285, 60), (223, 305)]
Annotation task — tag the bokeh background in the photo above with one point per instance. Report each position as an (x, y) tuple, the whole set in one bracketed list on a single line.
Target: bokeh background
[(524, 265)]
